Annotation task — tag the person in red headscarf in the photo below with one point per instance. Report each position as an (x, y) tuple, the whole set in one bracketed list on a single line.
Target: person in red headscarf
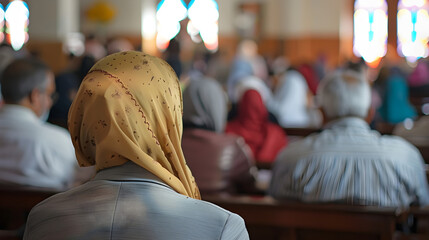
[(265, 139)]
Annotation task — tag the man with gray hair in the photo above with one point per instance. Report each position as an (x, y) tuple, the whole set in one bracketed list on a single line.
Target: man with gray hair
[(348, 162), (32, 151)]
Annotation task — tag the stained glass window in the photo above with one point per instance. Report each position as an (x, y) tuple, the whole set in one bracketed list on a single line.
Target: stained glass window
[(413, 29), (16, 16), (370, 30), (203, 19)]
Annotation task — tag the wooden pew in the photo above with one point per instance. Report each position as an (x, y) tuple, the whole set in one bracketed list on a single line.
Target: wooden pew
[(420, 225), (424, 150), (418, 102), (301, 132), (267, 218), (16, 203), (421, 219)]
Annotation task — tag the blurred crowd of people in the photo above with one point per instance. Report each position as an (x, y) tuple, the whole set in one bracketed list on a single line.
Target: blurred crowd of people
[(240, 114), (235, 120)]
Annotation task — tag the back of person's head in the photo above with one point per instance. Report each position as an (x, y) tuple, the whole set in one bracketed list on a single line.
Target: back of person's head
[(345, 93), (358, 66), (21, 77), (204, 105), (119, 45), (129, 108), (247, 49)]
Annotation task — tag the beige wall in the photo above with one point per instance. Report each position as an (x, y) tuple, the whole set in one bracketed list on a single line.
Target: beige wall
[(283, 18), (51, 20), (127, 20), (298, 29)]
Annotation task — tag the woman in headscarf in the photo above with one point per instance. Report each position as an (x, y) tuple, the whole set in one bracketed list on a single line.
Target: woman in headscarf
[(220, 162), (395, 106), (265, 139), (127, 121), (291, 102)]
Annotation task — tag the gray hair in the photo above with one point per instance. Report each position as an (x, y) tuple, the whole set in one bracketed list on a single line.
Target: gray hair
[(21, 77), (344, 93)]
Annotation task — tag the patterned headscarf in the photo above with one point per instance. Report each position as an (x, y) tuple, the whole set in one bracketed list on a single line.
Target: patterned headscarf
[(129, 108)]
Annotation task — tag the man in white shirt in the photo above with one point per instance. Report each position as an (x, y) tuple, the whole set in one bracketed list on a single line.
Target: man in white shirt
[(348, 162), (32, 151)]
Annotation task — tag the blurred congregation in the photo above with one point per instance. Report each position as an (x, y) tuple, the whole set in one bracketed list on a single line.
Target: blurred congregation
[(204, 119)]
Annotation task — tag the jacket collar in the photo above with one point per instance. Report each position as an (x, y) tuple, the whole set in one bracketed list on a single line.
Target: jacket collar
[(128, 172), (348, 122)]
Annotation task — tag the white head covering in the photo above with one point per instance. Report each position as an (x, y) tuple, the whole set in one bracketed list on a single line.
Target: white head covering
[(289, 102), (204, 104), (255, 83)]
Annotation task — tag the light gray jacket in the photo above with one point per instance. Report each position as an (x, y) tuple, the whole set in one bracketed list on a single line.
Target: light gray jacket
[(128, 202)]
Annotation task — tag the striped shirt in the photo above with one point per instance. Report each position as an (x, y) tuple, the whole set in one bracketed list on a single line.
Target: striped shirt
[(350, 163)]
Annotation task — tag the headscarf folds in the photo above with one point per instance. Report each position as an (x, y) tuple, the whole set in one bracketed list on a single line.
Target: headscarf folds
[(264, 138), (129, 108)]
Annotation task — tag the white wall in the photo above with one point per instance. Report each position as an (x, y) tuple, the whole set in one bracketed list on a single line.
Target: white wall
[(283, 18), (127, 20), (51, 20), (273, 18), (43, 19), (311, 17)]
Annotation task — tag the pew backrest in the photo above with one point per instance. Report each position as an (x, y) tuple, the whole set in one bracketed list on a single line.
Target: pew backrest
[(17, 201), (267, 218)]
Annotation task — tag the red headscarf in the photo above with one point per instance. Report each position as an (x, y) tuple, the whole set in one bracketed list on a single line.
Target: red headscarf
[(264, 138), (310, 77)]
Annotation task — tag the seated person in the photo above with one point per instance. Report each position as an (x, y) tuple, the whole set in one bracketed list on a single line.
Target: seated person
[(418, 80), (219, 162), (32, 151), (395, 106), (252, 123), (348, 162), (292, 100), (416, 132), (127, 121)]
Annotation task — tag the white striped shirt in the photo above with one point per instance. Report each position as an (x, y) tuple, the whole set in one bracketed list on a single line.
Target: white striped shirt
[(349, 162)]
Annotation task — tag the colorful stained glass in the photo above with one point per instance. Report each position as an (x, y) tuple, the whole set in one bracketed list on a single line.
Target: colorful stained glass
[(413, 29), (370, 30)]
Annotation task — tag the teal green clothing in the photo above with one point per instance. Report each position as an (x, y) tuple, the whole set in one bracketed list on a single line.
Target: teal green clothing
[(396, 106)]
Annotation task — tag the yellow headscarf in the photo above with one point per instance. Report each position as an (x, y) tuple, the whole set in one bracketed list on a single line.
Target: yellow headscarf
[(129, 107)]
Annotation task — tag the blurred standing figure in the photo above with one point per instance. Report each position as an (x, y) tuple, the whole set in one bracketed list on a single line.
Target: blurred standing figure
[(32, 152), (418, 80), (395, 106), (348, 162), (172, 56), (246, 63)]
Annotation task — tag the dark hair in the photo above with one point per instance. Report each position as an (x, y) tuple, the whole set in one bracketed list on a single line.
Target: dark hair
[(21, 77), (357, 66)]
